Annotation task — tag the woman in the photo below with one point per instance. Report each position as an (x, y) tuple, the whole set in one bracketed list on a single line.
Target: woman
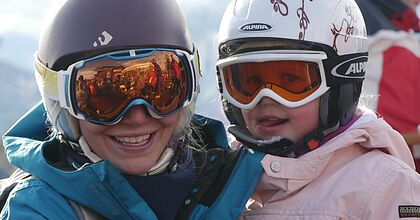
[(114, 155)]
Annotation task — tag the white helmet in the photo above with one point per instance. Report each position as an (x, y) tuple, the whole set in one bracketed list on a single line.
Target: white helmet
[(336, 23), (299, 30)]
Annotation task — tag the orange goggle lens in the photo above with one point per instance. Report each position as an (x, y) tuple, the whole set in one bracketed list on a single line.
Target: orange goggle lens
[(292, 80), (106, 86)]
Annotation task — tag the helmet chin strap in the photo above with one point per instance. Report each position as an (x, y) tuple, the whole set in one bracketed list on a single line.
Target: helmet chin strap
[(277, 146), (164, 163), (280, 146), (87, 151)]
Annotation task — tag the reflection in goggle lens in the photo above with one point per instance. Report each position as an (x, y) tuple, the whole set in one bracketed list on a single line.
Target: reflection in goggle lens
[(105, 87)]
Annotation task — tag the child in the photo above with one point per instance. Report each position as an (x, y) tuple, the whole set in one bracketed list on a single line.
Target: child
[(291, 73)]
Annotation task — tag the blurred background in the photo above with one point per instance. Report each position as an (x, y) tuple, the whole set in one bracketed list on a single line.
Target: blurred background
[(21, 22)]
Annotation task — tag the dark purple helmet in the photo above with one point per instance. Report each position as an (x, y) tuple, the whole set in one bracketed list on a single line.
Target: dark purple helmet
[(85, 28)]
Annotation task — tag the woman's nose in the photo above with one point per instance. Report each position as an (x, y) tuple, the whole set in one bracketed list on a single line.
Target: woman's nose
[(136, 114)]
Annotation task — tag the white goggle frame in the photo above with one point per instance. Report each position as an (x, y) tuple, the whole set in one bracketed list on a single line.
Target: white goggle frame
[(274, 55)]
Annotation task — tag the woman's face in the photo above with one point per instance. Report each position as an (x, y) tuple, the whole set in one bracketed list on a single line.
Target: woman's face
[(270, 118), (135, 143)]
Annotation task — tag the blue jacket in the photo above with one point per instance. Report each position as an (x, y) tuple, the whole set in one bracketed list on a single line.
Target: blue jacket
[(99, 186)]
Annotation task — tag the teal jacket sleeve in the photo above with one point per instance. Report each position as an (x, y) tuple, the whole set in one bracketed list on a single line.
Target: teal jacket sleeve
[(33, 199)]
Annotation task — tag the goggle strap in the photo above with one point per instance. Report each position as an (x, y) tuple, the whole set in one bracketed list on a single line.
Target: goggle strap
[(197, 73), (47, 80)]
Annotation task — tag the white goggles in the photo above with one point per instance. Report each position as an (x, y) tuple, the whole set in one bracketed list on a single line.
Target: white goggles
[(290, 77)]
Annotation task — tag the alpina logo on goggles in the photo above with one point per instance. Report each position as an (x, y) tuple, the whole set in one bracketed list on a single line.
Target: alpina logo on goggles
[(103, 88), (292, 78)]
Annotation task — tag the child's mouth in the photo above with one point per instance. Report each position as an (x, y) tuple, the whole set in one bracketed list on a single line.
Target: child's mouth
[(271, 121)]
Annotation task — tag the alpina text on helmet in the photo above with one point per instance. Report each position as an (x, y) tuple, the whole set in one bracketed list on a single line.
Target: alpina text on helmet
[(356, 68), (353, 68), (255, 27)]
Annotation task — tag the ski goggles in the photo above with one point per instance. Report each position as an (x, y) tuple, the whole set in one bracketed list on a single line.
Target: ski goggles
[(292, 78), (103, 88)]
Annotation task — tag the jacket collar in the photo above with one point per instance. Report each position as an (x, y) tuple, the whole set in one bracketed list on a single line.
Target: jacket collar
[(285, 176)]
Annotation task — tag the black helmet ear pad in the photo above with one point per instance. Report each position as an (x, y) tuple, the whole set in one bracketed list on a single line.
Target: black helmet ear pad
[(339, 104), (232, 113), (348, 99)]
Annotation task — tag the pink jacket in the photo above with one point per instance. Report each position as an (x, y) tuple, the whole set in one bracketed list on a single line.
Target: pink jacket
[(366, 172)]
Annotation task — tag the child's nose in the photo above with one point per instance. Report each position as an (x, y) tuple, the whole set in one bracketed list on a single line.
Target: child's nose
[(267, 101)]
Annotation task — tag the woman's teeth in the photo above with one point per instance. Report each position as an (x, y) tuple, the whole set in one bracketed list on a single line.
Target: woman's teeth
[(136, 140)]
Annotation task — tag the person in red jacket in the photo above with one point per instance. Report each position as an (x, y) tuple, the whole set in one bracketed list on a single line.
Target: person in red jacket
[(394, 65)]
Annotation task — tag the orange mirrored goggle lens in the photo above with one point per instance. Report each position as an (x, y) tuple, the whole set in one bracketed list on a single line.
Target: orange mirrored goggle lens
[(292, 80), (105, 87)]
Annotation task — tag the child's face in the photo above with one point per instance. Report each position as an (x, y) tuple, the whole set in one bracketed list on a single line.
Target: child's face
[(270, 118)]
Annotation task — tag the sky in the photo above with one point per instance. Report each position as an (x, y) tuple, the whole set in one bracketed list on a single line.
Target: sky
[(21, 22)]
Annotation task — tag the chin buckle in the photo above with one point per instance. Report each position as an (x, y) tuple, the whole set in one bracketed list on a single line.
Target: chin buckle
[(277, 146)]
